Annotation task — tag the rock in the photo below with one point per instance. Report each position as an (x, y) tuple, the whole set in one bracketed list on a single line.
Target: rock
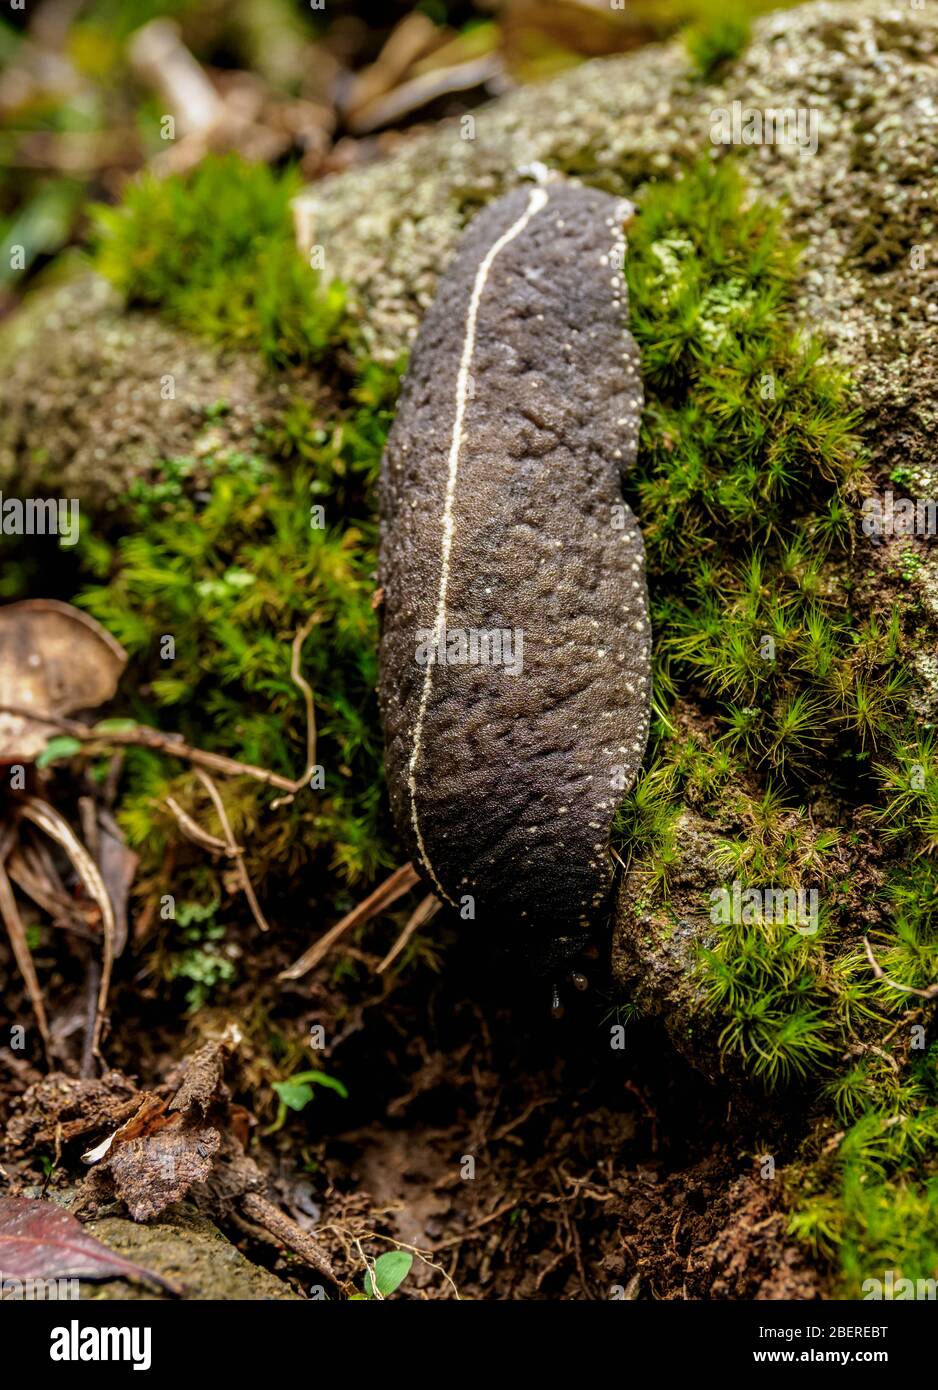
[(655, 946), (861, 205), (187, 1248), (82, 385)]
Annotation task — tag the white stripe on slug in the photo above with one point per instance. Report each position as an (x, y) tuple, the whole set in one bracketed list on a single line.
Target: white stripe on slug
[(536, 201)]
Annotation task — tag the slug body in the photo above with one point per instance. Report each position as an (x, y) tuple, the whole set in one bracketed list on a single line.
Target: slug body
[(515, 647)]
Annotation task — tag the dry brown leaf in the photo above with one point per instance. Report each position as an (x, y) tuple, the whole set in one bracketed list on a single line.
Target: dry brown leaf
[(417, 92), (412, 39), (166, 1146), (40, 813), (202, 1081), (118, 865), (154, 1158), (155, 1170), (53, 659)]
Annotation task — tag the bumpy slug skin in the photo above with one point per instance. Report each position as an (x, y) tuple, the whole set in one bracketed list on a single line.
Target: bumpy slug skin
[(502, 510)]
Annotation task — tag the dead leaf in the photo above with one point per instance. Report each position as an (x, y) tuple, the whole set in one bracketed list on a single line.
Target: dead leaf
[(146, 1119), (58, 829), (54, 659), (413, 95), (202, 1081), (38, 1240), (412, 39), (156, 1156), (155, 1170), (118, 865)]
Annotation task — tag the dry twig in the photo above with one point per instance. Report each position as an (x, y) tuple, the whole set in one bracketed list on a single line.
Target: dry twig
[(388, 892), (43, 815), (426, 909)]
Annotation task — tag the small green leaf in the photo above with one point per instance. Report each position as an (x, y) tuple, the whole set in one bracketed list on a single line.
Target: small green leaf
[(295, 1094), (391, 1269), (115, 726), (63, 746), (321, 1078)]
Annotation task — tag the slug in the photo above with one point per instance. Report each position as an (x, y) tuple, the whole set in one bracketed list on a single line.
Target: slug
[(514, 678)]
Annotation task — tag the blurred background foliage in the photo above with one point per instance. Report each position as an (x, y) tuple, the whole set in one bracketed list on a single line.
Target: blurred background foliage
[(86, 86)]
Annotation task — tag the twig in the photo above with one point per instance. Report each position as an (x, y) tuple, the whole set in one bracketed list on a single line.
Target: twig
[(216, 845), (161, 59), (193, 831), (17, 934), (388, 892), (234, 850), (142, 736), (931, 992), (279, 1225), (370, 1268), (300, 680), (421, 915), (59, 830)]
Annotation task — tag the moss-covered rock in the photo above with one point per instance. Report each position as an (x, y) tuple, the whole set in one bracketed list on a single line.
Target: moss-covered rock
[(861, 205), (93, 396), (656, 946)]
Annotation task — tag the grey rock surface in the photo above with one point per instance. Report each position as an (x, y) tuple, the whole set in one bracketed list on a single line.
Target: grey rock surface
[(93, 396)]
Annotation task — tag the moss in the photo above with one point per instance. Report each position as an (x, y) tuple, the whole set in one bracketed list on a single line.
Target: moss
[(225, 555), (778, 690), (716, 41), (215, 252)]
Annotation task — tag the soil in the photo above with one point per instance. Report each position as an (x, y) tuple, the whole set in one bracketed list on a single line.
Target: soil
[(524, 1156)]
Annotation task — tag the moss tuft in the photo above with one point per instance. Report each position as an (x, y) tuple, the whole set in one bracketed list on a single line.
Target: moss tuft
[(215, 252), (716, 41)]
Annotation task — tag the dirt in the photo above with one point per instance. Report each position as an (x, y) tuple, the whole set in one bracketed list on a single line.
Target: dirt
[(525, 1157)]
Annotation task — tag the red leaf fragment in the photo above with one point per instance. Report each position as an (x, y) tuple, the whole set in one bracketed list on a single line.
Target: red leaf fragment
[(39, 1240)]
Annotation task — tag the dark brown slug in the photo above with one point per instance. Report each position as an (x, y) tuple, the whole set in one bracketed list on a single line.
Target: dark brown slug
[(515, 647)]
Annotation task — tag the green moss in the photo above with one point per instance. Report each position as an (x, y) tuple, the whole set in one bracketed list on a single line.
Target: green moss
[(215, 252), (229, 554), (869, 1197), (225, 556), (747, 481), (716, 41)]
